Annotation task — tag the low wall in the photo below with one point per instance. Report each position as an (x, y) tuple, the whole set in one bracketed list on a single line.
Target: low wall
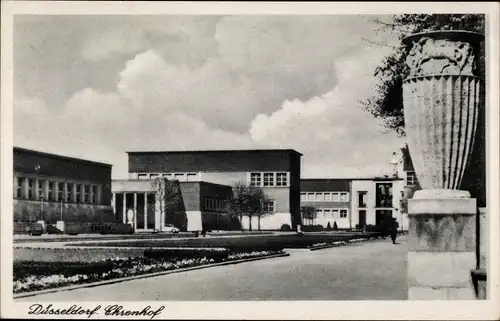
[(31, 211), (268, 222)]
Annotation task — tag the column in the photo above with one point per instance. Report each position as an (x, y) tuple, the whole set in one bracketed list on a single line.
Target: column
[(55, 191), (145, 205), (24, 192), (125, 220), (135, 213), (35, 191), (99, 194), (73, 193), (82, 193), (113, 201), (15, 187), (65, 191), (45, 189)]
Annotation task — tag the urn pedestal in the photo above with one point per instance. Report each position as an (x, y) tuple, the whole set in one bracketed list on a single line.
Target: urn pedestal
[(441, 98)]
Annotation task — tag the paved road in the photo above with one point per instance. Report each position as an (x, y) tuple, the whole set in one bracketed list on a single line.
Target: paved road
[(373, 270)]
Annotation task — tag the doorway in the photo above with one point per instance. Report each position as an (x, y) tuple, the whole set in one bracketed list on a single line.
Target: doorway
[(362, 219)]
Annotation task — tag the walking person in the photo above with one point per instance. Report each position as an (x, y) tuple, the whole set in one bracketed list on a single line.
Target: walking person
[(394, 230)]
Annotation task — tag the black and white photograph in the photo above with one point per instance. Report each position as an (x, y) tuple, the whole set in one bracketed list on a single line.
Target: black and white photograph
[(173, 155)]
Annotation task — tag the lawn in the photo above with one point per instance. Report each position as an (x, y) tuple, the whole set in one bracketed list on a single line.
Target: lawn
[(262, 242)]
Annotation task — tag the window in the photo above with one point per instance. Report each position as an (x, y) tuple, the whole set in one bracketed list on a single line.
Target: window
[(95, 195), (69, 193), (192, 177), (142, 176), (268, 179), (327, 212), (383, 195), (319, 212), (60, 191), (51, 191), (344, 197), (310, 197), (335, 197), (78, 193), (328, 196), (343, 213), (179, 177), (154, 176), (255, 179), (411, 178), (281, 179), (319, 197), (303, 197), (86, 194), (31, 184), (40, 187), (362, 199), (19, 190), (335, 213), (167, 175), (269, 206)]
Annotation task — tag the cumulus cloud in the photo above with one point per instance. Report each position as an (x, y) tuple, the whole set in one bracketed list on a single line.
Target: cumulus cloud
[(214, 83)]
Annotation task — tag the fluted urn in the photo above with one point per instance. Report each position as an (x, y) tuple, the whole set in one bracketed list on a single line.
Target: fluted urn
[(441, 98)]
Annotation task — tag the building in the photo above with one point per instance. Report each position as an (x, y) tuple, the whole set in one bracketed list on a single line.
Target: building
[(353, 202), (187, 205), (51, 188), (277, 171)]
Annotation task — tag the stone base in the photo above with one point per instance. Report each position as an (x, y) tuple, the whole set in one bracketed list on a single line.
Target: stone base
[(442, 246)]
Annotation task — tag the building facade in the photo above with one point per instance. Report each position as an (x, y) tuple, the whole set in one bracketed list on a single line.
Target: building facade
[(353, 202), (156, 203), (51, 188), (277, 172)]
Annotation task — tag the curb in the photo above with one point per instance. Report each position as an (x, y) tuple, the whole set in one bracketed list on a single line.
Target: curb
[(142, 276), (322, 247)]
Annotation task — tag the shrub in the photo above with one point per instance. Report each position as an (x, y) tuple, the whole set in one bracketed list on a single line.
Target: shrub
[(335, 227), (285, 228), (51, 229), (312, 228), (328, 227)]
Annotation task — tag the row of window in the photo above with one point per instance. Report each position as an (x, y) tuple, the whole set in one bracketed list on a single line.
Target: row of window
[(331, 213), (218, 205), (325, 197), (269, 179), (212, 204), (183, 177), (55, 191)]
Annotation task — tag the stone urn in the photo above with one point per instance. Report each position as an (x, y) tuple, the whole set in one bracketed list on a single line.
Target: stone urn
[(441, 97)]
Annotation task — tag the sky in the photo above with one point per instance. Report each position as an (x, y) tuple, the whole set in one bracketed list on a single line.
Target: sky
[(98, 86)]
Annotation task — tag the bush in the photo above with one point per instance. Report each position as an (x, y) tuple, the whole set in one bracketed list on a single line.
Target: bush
[(328, 227), (51, 229), (312, 228), (285, 228), (335, 227)]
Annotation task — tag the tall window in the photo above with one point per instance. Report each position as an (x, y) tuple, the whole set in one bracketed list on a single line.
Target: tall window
[(86, 194), (192, 177), (19, 190), (51, 191), (69, 193), (268, 179), (60, 191), (179, 177), (41, 194), (344, 197), (255, 179), (343, 213), (281, 179), (94, 195), (335, 197), (269, 206), (303, 197), (335, 213), (362, 199), (383, 195), (328, 196), (327, 212), (31, 183), (319, 197), (154, 176), (78, 193)]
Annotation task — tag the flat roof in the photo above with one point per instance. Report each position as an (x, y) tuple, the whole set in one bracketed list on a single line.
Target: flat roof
[(374, 178), (215, 151), (31, 151)]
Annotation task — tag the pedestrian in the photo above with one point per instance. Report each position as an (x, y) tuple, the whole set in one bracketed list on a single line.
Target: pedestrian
[(394, 230)]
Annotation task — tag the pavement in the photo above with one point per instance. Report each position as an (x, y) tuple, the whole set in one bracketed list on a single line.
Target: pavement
[(371, 270)]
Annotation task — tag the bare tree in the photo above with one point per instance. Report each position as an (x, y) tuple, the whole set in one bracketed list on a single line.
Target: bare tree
[(167, 197), (248, 201), (308, 213)]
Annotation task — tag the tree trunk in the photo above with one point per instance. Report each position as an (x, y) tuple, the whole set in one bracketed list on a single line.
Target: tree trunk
[(258, 222), (249, 223)]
